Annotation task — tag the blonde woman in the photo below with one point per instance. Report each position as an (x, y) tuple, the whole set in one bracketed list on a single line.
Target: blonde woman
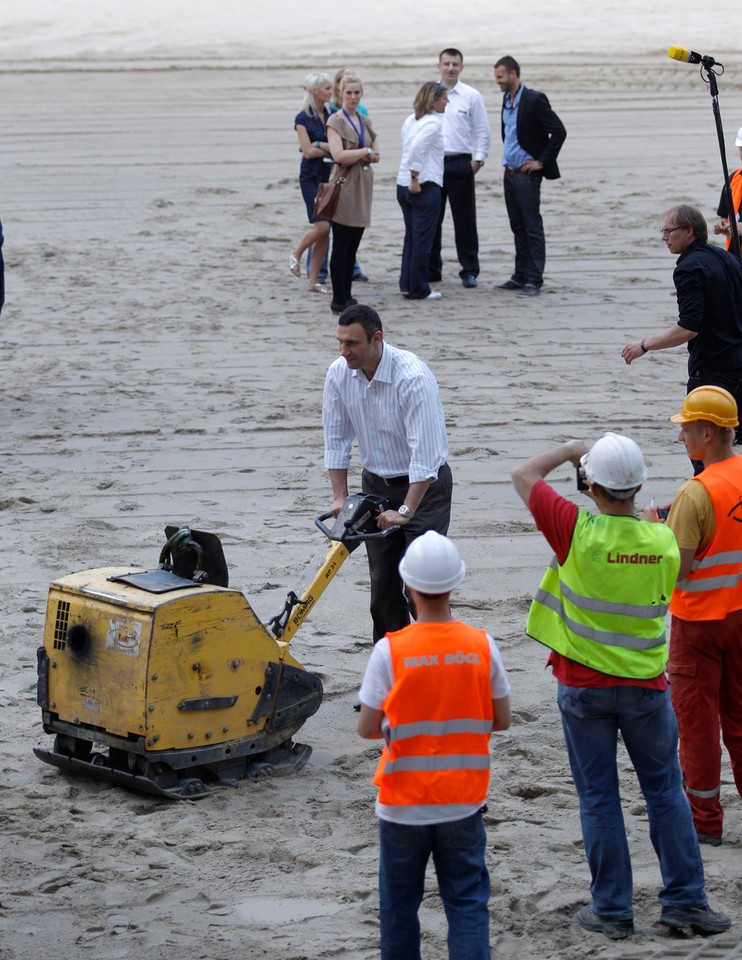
[(310, 125), (354, 149)]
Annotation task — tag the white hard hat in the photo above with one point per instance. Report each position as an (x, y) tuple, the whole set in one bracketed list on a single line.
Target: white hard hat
[(432, 564), (738, 141), (616, 463)]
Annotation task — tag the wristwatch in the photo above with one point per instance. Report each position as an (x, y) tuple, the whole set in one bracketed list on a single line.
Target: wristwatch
[(404, 511)]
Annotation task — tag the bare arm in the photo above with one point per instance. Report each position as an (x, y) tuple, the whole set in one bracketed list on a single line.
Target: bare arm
[(339, 484), (309, 148), (413, 498), (349, 157), (672, 337), (369, 723), (527, 475), (686, 559), (501, 713)]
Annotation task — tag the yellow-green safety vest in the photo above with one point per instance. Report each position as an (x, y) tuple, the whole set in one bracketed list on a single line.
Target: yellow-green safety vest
[(605, 606)]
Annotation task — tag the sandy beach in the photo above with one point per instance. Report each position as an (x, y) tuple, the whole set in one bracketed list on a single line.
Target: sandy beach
[(160, 365)]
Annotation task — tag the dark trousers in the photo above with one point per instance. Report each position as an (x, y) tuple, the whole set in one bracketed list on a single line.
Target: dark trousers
[(523, 202), (345, 243), (420, 212), (390, 606), (458, 189)]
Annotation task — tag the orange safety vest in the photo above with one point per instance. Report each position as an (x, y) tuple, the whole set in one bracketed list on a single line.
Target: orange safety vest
[(735, 184), (713, 587), (440, 717)]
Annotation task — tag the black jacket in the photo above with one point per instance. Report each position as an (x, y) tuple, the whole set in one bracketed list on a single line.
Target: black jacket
[(539, 129)]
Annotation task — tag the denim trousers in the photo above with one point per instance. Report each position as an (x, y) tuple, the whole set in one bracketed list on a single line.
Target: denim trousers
[(523, 203), (592, 718), (420, 212), (458, 849)]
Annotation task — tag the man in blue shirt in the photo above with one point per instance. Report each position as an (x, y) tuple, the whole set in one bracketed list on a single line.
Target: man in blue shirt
[(533, 136)]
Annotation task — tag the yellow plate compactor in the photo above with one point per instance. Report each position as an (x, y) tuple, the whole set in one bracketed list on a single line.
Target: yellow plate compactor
[(170, 675)]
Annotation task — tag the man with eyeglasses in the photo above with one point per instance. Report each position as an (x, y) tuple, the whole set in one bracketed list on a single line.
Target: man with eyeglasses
[(708, 281)]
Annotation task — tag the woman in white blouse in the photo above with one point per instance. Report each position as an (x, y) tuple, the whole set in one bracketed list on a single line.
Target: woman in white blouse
[(419, 185)]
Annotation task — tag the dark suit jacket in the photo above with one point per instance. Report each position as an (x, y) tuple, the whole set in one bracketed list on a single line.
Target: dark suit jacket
[(539, 129)]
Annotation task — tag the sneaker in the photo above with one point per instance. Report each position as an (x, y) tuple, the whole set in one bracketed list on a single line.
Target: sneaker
[(699, 919), (529, 290), (433, 295), (610, 927), (469, 281), (360, 276)]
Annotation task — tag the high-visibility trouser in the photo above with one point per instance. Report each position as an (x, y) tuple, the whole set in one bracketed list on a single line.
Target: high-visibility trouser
[(705, 674)]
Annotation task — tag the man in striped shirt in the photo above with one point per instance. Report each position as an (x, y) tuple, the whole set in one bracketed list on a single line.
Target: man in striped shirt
[(387, 400)]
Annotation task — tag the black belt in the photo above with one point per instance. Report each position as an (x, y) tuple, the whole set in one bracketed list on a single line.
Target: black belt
[(390, 481), (457, 156)]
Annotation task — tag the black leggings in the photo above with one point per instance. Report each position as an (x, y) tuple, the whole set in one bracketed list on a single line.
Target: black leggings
[(345, 243)]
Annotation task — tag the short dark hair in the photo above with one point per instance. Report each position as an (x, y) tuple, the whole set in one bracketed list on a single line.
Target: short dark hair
[(451, 52), (368, 318), (687, 216), (510, 64)]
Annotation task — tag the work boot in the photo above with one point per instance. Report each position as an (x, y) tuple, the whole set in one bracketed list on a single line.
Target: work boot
[(610, 927), (699, 919)]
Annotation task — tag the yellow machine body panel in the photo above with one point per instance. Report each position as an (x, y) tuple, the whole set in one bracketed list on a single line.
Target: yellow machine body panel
[(179, 669)]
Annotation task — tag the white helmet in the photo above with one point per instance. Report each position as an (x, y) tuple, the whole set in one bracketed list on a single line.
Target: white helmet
[(432, 564), (738, 141), (616, 463)]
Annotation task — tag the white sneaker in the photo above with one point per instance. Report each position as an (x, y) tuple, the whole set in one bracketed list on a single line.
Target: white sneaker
[(433, 295)]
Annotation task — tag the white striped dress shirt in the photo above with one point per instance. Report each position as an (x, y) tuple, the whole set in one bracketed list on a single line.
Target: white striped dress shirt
[(396, 417)]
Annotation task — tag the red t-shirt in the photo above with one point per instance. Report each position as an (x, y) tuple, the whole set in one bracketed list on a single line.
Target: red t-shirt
[(556, 518)]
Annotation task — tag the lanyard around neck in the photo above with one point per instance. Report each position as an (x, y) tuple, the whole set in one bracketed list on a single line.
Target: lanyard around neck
[(360, 129)]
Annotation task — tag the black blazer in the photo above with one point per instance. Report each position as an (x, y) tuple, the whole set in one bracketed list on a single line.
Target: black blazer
[(539, 129)]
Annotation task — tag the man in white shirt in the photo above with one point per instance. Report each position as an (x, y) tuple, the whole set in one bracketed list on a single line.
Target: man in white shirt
[(466, 133), (386, 399)]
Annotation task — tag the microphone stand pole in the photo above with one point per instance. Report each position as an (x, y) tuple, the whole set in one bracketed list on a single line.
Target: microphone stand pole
[(707, 65)]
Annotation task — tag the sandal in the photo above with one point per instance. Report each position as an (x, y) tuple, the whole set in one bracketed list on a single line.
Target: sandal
[(294, 266), (318, 288)]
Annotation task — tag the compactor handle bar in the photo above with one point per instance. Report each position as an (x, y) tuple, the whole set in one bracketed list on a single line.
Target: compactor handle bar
[(349, 536)]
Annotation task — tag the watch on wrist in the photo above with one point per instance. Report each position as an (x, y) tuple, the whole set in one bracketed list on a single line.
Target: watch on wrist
[(404, 511)]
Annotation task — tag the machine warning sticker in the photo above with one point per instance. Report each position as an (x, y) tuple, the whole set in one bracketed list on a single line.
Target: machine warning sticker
[(124, 635)]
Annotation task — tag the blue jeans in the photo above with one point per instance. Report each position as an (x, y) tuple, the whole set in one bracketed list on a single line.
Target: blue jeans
[(420, 212), (592, 719), (523, 202), (464, 884)]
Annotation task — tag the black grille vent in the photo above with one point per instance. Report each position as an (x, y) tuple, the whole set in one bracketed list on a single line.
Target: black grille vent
[(60, 624)]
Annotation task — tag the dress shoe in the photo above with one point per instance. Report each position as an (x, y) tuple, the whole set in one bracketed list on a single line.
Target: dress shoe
[(469, 281), (699, 919), (510, 285), (530, 290), (339, 307), (360, 276), (612, 928)]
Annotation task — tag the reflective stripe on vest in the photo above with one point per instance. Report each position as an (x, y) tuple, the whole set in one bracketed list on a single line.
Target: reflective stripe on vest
[(611, 638), (605, 606), (709, 592), (439, 728), (466, 761), (440, 717)]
